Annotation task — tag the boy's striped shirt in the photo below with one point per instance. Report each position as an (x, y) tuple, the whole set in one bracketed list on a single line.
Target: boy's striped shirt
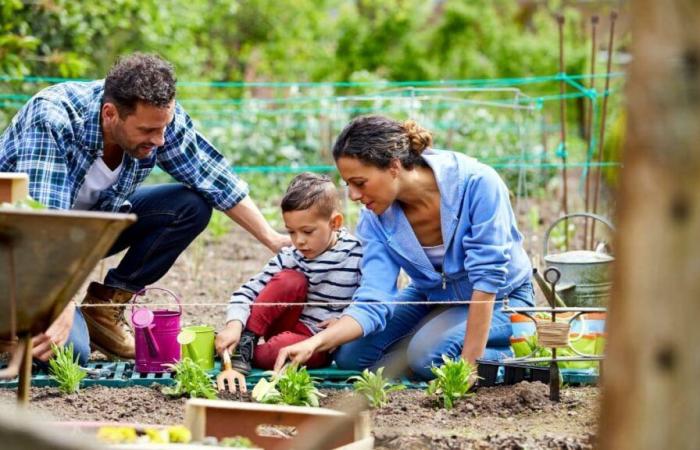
[(333, 276)]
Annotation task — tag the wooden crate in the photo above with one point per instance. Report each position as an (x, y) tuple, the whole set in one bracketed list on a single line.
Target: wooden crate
[(317, 428), (13, 187)]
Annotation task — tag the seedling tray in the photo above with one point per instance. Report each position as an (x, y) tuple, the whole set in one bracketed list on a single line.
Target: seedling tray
[(122, 374), (494, 373)]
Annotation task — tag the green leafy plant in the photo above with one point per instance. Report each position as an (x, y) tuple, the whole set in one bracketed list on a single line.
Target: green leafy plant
[(374, 387), (65, 370), (292, 386), (219, 225), (236, 442), (452, 380), (559, 239), (191, 380), (538, 351)]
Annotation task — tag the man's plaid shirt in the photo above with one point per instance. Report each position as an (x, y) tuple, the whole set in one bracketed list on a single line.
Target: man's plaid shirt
[(56, 137)]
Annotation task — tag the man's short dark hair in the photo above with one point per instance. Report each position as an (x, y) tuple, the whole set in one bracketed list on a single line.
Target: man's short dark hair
[(140, 77), (309, 190)]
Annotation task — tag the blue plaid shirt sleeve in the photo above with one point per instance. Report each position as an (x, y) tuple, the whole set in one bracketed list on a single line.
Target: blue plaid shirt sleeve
[(193, 161), (39, 151)]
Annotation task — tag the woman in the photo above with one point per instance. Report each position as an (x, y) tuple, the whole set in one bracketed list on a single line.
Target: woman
[(446, 220)]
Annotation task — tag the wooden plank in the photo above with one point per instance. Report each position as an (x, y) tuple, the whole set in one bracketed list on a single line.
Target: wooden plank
[(52, 252), (13, 187), (21, 430), (651, 394), (227, 419)]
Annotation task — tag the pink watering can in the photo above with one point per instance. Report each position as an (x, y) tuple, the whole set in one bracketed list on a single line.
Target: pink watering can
[(155, 335)]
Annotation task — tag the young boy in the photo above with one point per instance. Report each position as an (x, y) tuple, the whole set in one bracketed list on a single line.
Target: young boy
[(322, 266)]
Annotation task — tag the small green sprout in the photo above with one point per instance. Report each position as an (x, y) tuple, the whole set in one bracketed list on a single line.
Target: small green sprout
[(374, 387), (191, 380), (292, 386), (538, 351), (65, 370), (236, 442), (452, 380)]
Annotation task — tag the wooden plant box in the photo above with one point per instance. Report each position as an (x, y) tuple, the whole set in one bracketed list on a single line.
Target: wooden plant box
[(88, 429), (13, 187), (318, 428)]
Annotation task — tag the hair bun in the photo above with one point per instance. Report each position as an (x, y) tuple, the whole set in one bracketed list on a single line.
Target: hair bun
[(419, 137)]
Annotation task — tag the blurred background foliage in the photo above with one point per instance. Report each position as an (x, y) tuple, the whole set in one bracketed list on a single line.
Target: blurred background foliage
[(301, 40), (272, 82)]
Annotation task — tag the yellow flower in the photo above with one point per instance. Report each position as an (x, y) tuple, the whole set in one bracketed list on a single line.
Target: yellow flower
[(179, 434)]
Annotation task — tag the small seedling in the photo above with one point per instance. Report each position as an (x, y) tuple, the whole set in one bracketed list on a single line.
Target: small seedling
[(292, 386), (452, 380), (191, 380), (65, 370), (538, 351), (236, 442), (374, 387)]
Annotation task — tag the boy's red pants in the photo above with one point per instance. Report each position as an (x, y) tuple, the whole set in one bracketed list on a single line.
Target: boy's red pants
[(280, 325)]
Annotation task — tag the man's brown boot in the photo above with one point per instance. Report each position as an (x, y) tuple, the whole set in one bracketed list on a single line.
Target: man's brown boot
[(109, 332)]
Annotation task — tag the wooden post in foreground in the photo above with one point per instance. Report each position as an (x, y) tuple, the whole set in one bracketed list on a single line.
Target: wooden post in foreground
[(651, 382)]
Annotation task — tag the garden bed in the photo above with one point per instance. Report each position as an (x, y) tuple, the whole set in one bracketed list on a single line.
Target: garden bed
[(514, 416)]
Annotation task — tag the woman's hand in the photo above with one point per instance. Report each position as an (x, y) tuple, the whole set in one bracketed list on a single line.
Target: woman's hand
[(297, 353), (478, 325), (229, 337)]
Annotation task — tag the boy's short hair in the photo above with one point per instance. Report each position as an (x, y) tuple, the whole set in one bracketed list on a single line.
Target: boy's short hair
[(308, 190)]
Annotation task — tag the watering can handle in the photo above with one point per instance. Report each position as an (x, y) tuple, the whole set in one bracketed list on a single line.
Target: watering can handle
[(153, 347), (144, 290), (568, 216)]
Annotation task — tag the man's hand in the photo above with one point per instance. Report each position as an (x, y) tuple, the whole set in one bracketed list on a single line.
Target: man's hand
[(57, 333), (277, 241), (229, 337), (247, 215), (298, 353)]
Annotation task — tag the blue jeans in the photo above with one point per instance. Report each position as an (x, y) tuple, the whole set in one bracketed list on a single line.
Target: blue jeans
[(80, 338), (418, 335), (170, 217)]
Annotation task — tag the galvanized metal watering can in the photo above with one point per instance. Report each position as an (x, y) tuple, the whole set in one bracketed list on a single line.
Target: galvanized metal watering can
[(585, 274), (155, 335)]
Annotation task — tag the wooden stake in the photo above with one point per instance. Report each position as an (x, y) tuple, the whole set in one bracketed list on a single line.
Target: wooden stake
[(651, 389)]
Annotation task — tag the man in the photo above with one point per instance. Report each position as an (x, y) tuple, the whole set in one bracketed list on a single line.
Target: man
[(88, 146)]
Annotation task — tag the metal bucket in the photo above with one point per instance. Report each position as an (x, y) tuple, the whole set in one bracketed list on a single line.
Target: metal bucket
[(585, 274)]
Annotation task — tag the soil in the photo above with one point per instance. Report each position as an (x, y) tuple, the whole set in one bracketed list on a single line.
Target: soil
[(508, 417)]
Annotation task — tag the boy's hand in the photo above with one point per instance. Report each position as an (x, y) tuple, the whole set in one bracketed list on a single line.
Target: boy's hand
[(327, 323), (229, 337)]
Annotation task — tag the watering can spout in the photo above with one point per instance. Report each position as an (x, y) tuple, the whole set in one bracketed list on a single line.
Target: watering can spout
[(602, 247), (548, 290)]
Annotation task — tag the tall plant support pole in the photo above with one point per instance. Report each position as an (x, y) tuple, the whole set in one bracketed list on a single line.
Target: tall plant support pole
[(601, 140), (651, 390), (562, 103), (589, 128)]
